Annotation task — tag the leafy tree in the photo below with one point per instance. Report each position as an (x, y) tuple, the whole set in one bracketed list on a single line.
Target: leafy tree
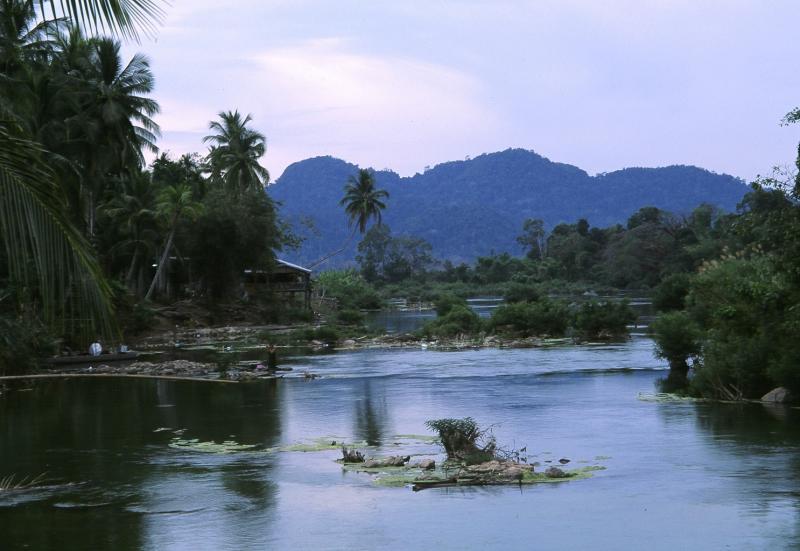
[(385, 258), (678, 339), (231, 235), (351, 290), (533, 238)]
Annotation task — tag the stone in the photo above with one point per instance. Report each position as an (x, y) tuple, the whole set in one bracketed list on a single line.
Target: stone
[(349, 343), (555, 472), (493, 472), (778, 395), (392, 461), (427, 464), (563, 460)]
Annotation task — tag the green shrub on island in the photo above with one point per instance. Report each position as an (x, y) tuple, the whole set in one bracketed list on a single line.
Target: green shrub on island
[(522, 292), (603, 319), (445, 303), (527, 319), (454, 317), (677, 339), (463, 440)]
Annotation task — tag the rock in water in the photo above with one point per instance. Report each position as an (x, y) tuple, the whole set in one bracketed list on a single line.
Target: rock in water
[(427, 464), (563, 460), (493, 472), (778, 395), (392, 461)]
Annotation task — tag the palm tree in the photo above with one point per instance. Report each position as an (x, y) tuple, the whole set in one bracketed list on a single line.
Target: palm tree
[(41, 244), (362, 202), (235, 151), (132, 208), (117, 125), (22, 36), (174, 203)]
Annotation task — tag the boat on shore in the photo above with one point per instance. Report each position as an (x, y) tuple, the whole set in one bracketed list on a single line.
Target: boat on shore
[(88, 358)]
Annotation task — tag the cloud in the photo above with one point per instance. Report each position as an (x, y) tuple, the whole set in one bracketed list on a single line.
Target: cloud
[(320, 97), (366, 106)]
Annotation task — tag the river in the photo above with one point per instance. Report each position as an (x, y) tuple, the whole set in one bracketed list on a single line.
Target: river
[(678, 475)]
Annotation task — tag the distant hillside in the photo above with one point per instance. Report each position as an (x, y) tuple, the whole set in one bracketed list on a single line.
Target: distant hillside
[(470, 208)]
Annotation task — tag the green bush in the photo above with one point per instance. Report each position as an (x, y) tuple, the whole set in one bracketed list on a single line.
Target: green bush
[(603, 319), (459, 319), (445, 303), (677, 340), (24, 341), (463, 440), (326, 334), (543, 317), (522, 292), (350, 289), (350, 317), (671, 293)]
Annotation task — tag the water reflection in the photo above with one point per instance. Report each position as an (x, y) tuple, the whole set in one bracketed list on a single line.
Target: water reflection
[(755, 449), (371, 416), (679, 475), (104, 446)]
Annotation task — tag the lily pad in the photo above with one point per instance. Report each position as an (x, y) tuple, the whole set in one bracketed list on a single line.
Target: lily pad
[(226, 447)]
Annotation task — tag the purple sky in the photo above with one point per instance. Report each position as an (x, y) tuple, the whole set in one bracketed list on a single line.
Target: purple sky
[(602, 84)]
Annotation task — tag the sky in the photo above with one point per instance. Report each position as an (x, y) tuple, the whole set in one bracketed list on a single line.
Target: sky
[(600, 84)]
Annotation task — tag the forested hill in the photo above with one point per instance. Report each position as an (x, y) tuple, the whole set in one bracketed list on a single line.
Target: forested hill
[(470, 208)]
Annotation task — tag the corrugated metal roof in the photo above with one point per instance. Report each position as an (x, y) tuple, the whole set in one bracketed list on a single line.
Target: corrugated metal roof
[(295, 266)]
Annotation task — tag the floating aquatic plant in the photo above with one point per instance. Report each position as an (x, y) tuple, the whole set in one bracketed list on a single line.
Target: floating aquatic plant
[(666, 398), (319, 445), (195, 445), (12, 483)]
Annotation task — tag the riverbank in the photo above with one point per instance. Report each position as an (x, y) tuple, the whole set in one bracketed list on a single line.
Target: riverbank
[(238, 353)]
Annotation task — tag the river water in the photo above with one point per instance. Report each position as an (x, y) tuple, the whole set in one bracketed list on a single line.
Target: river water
[(677, 475)]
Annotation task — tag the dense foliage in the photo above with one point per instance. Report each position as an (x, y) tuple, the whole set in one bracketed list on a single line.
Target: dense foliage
[(540, 316), (736, 317), (84, 222)]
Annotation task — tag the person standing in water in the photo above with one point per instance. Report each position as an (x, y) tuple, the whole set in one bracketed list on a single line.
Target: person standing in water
[(272, 358)]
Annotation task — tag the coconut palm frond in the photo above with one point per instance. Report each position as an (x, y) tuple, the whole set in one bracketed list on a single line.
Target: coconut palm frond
[(126, 18), (43, 247)]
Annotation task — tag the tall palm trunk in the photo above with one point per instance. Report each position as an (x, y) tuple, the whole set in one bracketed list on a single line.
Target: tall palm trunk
[(164, 258), (132, 269), (337, 251)]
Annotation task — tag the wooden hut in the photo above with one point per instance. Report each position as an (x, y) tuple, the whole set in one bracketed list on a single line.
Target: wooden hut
[(286, 278)]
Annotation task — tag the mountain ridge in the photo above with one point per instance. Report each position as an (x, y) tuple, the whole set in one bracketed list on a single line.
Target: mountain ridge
[(473, 207)]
